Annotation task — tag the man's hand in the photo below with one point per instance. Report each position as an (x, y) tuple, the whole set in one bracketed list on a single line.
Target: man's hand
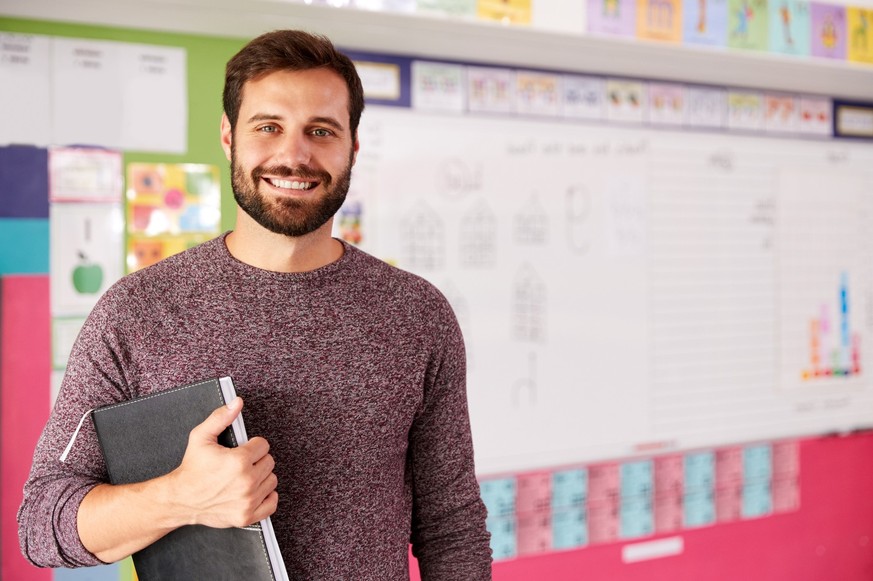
[(214, 486), (224, 487)]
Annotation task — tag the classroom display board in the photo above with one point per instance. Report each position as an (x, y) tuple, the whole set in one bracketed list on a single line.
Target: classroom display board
[(626, 290)]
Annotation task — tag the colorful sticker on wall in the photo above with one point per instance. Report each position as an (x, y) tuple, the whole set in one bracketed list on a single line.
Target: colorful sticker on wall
[(860, 35), (790, 27), (748, 24), (828, 30), (659, 20), (705, 22), (505, 11), (170, 208), (615, 17)]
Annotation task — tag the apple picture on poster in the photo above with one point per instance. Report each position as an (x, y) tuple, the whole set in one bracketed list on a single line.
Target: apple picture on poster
[(87, 276)]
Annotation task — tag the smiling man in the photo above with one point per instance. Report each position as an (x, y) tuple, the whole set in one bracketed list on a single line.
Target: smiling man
[(352, 371)]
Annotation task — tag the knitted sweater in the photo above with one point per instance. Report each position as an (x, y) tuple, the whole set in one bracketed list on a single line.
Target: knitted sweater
[(353, 372)]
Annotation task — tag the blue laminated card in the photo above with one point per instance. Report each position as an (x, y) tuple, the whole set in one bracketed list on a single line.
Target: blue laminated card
[(699, 471), (499, 496), (504, 542), (637, 517), (699, 508), (569, 488), (570, 528), (637, 478), (757, 463)]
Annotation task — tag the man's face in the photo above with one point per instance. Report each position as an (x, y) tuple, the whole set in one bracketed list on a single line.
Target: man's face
[(291, 151)]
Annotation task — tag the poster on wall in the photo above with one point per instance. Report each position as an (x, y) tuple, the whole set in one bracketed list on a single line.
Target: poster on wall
[(85, 255), (170, 208), (86, 227)]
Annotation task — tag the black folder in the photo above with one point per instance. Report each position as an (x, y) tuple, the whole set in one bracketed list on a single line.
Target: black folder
[(146, 437)]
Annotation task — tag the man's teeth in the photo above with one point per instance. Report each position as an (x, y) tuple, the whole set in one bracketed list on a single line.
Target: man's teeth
[(290, 185)]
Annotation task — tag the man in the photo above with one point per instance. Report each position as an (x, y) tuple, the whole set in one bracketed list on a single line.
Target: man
[(352, 371)]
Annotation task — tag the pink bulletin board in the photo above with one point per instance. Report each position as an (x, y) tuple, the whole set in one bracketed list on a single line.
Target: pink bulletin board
[(24, 405), (829, 537)]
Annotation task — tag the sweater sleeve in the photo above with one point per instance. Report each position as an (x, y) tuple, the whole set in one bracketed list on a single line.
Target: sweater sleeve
[(449, 536), (47, 518)]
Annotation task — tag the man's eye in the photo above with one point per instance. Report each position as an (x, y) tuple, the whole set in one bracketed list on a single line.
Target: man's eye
[(321, 132), (268, 129)]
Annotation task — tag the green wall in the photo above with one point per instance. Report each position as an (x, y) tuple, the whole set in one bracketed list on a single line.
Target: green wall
[(206, 59)]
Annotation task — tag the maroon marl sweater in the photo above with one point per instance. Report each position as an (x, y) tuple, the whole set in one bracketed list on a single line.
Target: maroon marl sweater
[(354, 373)]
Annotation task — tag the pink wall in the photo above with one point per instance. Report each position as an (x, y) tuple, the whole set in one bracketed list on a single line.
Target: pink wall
[(830, 537)]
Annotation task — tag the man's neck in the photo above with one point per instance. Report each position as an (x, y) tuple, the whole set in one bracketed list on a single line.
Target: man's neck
[(254, 245)]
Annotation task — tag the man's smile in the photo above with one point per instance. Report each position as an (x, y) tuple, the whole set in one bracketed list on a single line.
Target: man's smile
[(290, 184)]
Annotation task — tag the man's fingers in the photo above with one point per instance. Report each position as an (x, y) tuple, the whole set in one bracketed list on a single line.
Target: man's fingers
[(218, 421)]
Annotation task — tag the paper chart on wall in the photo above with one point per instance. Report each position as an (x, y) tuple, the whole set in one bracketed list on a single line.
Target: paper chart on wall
[(617, 288)]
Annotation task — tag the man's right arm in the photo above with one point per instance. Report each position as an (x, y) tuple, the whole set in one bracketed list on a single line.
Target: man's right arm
[(214, 486)]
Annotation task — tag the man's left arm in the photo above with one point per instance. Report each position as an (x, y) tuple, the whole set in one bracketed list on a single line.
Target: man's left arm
[(449, 537)]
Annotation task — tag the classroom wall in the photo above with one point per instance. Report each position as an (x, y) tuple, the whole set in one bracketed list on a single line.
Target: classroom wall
[(824, 536)]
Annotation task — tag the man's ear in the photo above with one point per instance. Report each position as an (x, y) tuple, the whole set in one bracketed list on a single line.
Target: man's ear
[(355, 149), (226, 135)]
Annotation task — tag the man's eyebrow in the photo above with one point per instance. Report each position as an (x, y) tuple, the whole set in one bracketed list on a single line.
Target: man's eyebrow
[(263, 117), (329, 121)]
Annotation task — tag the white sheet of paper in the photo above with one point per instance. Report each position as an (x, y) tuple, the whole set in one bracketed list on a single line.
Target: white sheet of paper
[(25, 75), (86, 98), (155, 96)]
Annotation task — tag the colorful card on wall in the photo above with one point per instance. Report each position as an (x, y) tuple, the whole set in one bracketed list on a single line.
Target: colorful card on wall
[(437, 87), (705, 22), (584, 97), (790, 27), (860, 37), (626, 101), (456, 8), (781, 113), (505, 11), (745, 111), (659, 20), (170, 207), (816, 116), (748, 24), (380, 80), (85, 255), (80, 174), (666, 104), (615, 17), (537, 93), (705, 107), (828, 30), (489, 90)]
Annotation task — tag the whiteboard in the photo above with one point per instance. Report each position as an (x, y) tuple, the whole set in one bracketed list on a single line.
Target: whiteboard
[(626, 290)]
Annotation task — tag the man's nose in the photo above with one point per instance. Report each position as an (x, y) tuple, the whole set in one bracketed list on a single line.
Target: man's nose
[(293, 150)]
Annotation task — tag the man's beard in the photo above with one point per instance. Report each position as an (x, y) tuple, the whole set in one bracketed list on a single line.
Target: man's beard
[(289, 216)]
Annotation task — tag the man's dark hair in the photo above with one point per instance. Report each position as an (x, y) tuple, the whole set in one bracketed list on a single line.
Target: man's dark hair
[(289, 50)]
